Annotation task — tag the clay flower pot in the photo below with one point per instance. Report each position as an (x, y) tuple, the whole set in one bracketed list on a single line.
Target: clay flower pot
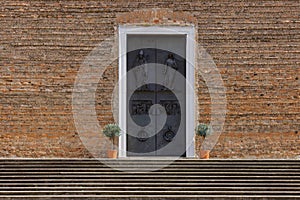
[(112, 131), (203, 130), (112, 153), (204, 154)]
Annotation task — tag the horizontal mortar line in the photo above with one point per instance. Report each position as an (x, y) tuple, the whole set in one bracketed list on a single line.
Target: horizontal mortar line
[(66, 14), (256, 57), (248, 30), (69, 17), (259, 16), (291, 104), (20, 62), (213, 6), (82, 31), (30, 33), (218, 60), (217, 43), (102, 14), (63, 27), (228, 64), (223, 52), (53, 36), (291, 54), (234, 127), (242, 25), (200, 6), (211, 36), (239, 86), (257, 63), (253, 56), (243, 21), (234, 5), (232, 29), (220, 65), (53, 116), (252, 47), (239, 83), (234, 51), (256, 46), (51, 45), (260, 38), (20, 30)]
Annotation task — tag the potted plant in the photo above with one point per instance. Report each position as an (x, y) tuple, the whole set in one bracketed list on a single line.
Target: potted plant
[(112, 131), (203, 130)]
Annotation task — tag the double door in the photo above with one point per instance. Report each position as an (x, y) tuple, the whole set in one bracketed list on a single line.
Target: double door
[(156, 117)]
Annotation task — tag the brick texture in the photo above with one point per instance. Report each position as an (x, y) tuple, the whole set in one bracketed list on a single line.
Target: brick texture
[(255, 45)]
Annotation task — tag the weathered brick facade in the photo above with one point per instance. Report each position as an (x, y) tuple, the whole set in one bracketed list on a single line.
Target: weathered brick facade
[(255, 45)]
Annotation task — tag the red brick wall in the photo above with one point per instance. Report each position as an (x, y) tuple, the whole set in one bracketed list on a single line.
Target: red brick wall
[(255, 45)]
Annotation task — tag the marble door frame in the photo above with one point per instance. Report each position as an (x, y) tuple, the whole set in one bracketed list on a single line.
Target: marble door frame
[(189, 31)]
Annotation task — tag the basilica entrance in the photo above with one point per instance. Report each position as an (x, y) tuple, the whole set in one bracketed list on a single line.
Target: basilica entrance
[(155, 96)]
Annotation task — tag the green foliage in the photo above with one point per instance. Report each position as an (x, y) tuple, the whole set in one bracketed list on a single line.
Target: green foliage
[(111, 130), (203, 130)]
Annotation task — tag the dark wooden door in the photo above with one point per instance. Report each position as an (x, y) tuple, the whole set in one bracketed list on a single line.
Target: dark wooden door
[(153, 51)]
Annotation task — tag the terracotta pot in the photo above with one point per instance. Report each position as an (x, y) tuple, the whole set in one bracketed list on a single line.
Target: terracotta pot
[(204, 154), (112, 153)]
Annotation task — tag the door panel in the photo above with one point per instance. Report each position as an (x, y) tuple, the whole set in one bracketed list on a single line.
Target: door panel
[(171, 140), (145, 50)]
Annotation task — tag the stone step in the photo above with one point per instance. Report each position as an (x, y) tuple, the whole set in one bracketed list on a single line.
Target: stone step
[(152, 184), (151, 197), (140, 169), (146, 174), (138, 179), (148, 179), (149, 192), (150, 188)]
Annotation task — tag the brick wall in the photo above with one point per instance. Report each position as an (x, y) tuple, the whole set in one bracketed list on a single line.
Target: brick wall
[(255, 45)]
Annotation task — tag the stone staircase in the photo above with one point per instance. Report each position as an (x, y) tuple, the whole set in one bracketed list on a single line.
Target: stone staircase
[(135, 179)]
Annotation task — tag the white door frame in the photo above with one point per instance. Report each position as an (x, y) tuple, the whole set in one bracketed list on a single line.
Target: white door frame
[(189, 31)]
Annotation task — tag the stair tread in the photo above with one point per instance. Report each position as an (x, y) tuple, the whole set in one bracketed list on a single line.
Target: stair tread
[(144, 187), (183, 178)]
